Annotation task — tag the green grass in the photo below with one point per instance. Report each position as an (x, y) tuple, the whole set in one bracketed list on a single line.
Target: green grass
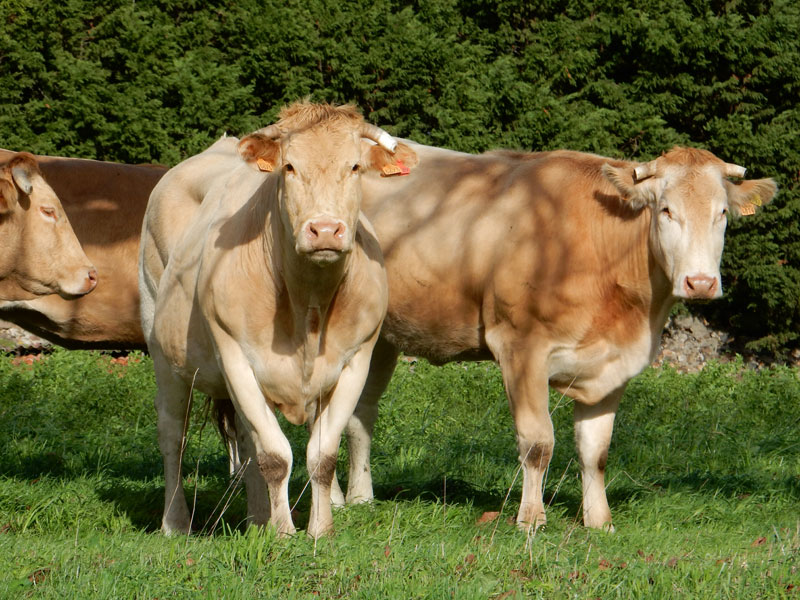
[(703, 481)]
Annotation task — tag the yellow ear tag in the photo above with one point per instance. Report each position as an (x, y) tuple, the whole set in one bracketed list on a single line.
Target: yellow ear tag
[(263, 165), (747, 209), (755, 199), (399, 168)]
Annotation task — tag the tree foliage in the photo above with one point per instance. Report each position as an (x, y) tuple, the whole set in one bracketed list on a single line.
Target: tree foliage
[(159, 80)]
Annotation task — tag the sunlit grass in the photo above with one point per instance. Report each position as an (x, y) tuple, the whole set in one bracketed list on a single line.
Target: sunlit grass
[(703, 480)]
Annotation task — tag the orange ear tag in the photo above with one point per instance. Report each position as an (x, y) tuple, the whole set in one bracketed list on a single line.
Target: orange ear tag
[(263, 165), (747, 209), (399, 168)]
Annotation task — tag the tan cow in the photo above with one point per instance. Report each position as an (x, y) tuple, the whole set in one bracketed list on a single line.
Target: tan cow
[(39, 254), (105, 203), (271, 292), (561, 266)]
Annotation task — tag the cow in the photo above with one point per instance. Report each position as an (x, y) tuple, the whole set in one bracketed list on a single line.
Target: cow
[(40, 255), (105, 203), (562, 267), (262, 283)]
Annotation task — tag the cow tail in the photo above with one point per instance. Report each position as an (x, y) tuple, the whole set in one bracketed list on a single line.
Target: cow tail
[(225, 418)]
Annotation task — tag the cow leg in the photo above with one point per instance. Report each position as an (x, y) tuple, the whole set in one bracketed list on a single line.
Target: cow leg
[(326, 433), (172, 408), (257, 496), (593, 426), (525, 378), (361, 424), (267, 445)]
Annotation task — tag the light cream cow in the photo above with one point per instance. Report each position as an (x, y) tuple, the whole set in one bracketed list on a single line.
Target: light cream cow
[(560, 266), (39, 254), (105, 204), (262, 282)]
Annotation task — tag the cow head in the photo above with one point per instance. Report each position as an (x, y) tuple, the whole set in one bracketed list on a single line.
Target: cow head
[(40, 253), (690, 197), (315, 152)]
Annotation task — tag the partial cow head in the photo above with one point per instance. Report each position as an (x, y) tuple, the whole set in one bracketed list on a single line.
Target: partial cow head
[(315, 150), (39, 253), (690, 198)]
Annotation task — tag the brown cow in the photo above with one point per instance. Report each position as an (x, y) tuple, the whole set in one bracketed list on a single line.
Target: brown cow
[(560, 266), (105, 203), (39, 254), (261, 282)]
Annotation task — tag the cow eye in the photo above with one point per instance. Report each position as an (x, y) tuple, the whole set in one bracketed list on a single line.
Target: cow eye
[(289, 168), (724, 212), (48, 211), (665, 211), (356, 168)]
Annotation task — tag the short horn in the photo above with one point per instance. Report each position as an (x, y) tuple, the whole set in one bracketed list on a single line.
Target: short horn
[(379, 136), (644, 171), (731, 170)]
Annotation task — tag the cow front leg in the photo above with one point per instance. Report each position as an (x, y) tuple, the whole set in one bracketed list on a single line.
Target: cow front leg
[(525, 378), (593, 427), (326, 433), (267, 447)]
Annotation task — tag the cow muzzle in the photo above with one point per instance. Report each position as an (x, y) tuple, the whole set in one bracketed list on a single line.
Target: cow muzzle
[(324, 237), (701, 287), (85, 282)]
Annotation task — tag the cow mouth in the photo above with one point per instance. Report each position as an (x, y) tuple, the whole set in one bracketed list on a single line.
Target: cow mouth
[(324, 256)]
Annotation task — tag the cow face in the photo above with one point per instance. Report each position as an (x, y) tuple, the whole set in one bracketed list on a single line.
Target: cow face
[(690, 198), (40, 253), (319, 171)]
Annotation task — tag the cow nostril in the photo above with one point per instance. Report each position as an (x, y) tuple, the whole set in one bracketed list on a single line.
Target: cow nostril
[(92, 275)]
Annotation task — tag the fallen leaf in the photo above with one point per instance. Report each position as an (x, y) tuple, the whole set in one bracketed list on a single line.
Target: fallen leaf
[(604, 564), (469, 559), (488, 517), (38, 576), (759, 542), (387, 551), (672, 562)]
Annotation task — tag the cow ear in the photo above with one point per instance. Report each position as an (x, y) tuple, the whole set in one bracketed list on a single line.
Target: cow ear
[(387, 163), (8, 196), (23, 169), (638, 186), (745, 196), (260, 152)]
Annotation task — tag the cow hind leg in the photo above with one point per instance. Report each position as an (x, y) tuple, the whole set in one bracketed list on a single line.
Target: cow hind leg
[(525, 379), (258, 507), (361, 424), (593, 428), (172, 408)]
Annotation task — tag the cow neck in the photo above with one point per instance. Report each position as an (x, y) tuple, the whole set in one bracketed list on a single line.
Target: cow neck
[(662, 299), (311, 290)]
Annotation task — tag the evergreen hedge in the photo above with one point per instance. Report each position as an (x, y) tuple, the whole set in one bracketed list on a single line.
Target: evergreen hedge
[(147, 80)]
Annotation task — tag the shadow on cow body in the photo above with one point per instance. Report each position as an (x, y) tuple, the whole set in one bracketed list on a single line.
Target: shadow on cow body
[(561, 266)]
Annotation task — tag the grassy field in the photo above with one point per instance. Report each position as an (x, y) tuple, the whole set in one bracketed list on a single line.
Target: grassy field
[(703, 481)]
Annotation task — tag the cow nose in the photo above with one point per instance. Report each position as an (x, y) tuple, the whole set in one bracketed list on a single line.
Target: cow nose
[(91, 280), (326, 235), (700, 286)]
